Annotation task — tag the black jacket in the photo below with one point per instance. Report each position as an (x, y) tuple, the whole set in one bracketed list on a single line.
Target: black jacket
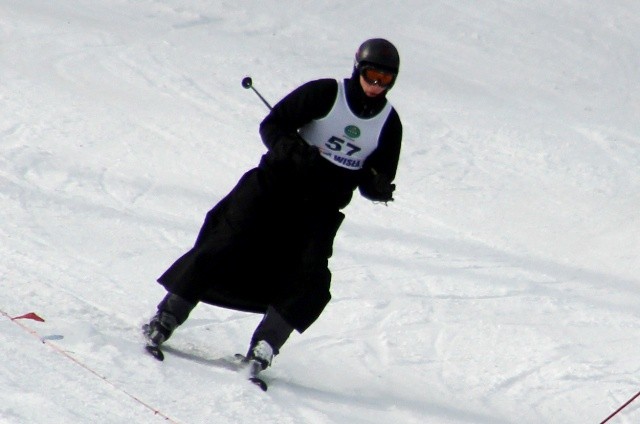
[(328, 184)]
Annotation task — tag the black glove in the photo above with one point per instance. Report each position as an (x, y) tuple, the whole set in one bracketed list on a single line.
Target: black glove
[(377, 187), (295, 151)]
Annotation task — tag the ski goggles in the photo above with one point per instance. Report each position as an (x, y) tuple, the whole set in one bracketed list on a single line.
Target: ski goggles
[(377, 77)]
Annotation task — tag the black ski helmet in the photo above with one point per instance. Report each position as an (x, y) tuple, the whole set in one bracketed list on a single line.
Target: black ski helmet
[(379, 53)]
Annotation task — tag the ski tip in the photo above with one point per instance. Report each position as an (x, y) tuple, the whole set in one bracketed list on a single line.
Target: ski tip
[(155, 352), (260, 383)]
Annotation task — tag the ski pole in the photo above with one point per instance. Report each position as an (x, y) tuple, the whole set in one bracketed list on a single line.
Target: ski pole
[(248, 83), (621, 408)]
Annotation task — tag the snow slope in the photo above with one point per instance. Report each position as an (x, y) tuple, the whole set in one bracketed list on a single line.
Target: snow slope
[(500, 287)]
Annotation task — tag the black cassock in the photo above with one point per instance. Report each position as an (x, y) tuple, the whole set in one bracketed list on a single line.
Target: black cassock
[(269, 240)]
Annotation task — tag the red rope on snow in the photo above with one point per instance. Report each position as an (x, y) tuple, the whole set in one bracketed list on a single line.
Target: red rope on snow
[(34, 333)]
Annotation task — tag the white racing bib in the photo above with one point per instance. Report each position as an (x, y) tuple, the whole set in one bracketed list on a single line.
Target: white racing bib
[(343, 138)]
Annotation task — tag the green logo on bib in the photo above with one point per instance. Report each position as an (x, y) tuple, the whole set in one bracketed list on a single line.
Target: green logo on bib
[(352, 131)]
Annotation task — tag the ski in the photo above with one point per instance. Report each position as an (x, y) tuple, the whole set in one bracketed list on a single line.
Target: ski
[(155, 351), (239, 362), (259, 382)]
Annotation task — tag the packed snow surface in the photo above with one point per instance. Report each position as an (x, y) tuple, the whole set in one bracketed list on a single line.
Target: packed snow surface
[(501, 286)]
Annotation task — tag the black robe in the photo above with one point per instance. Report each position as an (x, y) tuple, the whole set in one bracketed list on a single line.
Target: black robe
[(268, 242)]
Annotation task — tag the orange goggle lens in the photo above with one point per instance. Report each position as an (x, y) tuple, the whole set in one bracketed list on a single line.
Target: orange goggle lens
[(377, 77)]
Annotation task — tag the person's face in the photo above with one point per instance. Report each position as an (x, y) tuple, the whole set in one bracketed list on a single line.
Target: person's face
[(371, 90)]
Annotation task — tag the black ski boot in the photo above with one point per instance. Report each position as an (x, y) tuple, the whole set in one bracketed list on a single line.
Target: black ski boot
[(270, 335), (160, 327), (258, 359), (272, 332), (260, 356), (172, 312)]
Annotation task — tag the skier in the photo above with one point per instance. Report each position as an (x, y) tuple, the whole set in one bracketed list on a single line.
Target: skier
[(265, 247)]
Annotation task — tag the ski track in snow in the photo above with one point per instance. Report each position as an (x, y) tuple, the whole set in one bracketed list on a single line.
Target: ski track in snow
[(499, 287)]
